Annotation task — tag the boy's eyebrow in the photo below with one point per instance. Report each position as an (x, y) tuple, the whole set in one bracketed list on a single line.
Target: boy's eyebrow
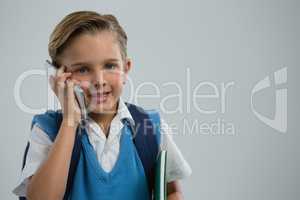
[(111, 59), (78, 63), (86, 63)]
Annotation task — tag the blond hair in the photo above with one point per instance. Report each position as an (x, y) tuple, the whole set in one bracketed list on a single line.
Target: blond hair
[(81, 22)]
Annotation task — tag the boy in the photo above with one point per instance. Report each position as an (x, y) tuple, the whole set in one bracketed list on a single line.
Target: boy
[(89, 49)]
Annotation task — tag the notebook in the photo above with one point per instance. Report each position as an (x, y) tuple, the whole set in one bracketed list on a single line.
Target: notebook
[(160, 188)]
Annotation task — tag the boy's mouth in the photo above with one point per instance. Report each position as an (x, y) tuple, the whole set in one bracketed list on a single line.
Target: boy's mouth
[(100, 97)]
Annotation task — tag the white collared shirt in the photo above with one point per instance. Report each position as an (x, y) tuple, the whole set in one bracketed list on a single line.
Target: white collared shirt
[(106, 148)]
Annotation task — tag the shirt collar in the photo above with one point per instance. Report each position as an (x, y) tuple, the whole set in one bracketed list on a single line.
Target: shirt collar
[(122, 113)]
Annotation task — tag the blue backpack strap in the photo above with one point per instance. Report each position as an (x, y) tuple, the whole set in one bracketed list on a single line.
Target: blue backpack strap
[(155, 119), (74, 161), (50, 122), (146, 140), (23, 163)]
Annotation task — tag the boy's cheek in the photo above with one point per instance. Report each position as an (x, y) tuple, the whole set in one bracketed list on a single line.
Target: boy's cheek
[(86, 85), (117, 81), (83, 82)]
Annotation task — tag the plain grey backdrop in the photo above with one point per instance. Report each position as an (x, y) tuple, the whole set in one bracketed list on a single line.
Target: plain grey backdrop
[(220, 42)]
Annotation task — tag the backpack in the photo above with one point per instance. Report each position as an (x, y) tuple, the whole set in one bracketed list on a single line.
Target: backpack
[(146, 138)]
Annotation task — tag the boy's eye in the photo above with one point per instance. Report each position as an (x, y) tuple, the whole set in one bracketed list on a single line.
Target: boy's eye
[(110, 66), (82, 70)]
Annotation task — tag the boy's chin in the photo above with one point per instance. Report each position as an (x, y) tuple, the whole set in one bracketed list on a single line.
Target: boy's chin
[(106, 108)]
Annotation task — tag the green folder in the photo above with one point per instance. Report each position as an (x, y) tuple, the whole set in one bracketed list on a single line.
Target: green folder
[(160, 188)]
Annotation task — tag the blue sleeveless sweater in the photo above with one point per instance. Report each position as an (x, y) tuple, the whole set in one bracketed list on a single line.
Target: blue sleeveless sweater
[(127, 180)]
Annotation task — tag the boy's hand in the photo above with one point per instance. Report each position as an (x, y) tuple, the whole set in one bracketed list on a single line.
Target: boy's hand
[(63, 87)]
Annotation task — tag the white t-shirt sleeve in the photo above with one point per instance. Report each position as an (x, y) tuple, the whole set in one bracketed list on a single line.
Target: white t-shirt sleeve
[(177, 166), (38, 150)]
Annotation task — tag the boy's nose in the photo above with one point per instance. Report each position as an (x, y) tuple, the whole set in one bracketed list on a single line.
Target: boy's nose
[(99, 84), (99, 80)]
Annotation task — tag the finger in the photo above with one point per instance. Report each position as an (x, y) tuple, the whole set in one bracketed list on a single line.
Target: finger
[(60, 70), (71, 96), (53, 84), (70, 93), (70, 89), (60, 90), (76, 82), (63, 77), (60, 81)]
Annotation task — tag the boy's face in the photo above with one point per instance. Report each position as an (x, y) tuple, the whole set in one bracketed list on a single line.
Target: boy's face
[(95, 61)]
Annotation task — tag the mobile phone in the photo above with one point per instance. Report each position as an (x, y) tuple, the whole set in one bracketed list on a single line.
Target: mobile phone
[(81, 102)]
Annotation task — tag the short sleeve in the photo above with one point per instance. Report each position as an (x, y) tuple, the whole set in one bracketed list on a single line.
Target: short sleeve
[(177, 166), (38, 150)]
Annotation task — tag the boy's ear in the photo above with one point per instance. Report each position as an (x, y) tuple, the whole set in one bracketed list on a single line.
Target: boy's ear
[(127, 65), (127, 68)]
